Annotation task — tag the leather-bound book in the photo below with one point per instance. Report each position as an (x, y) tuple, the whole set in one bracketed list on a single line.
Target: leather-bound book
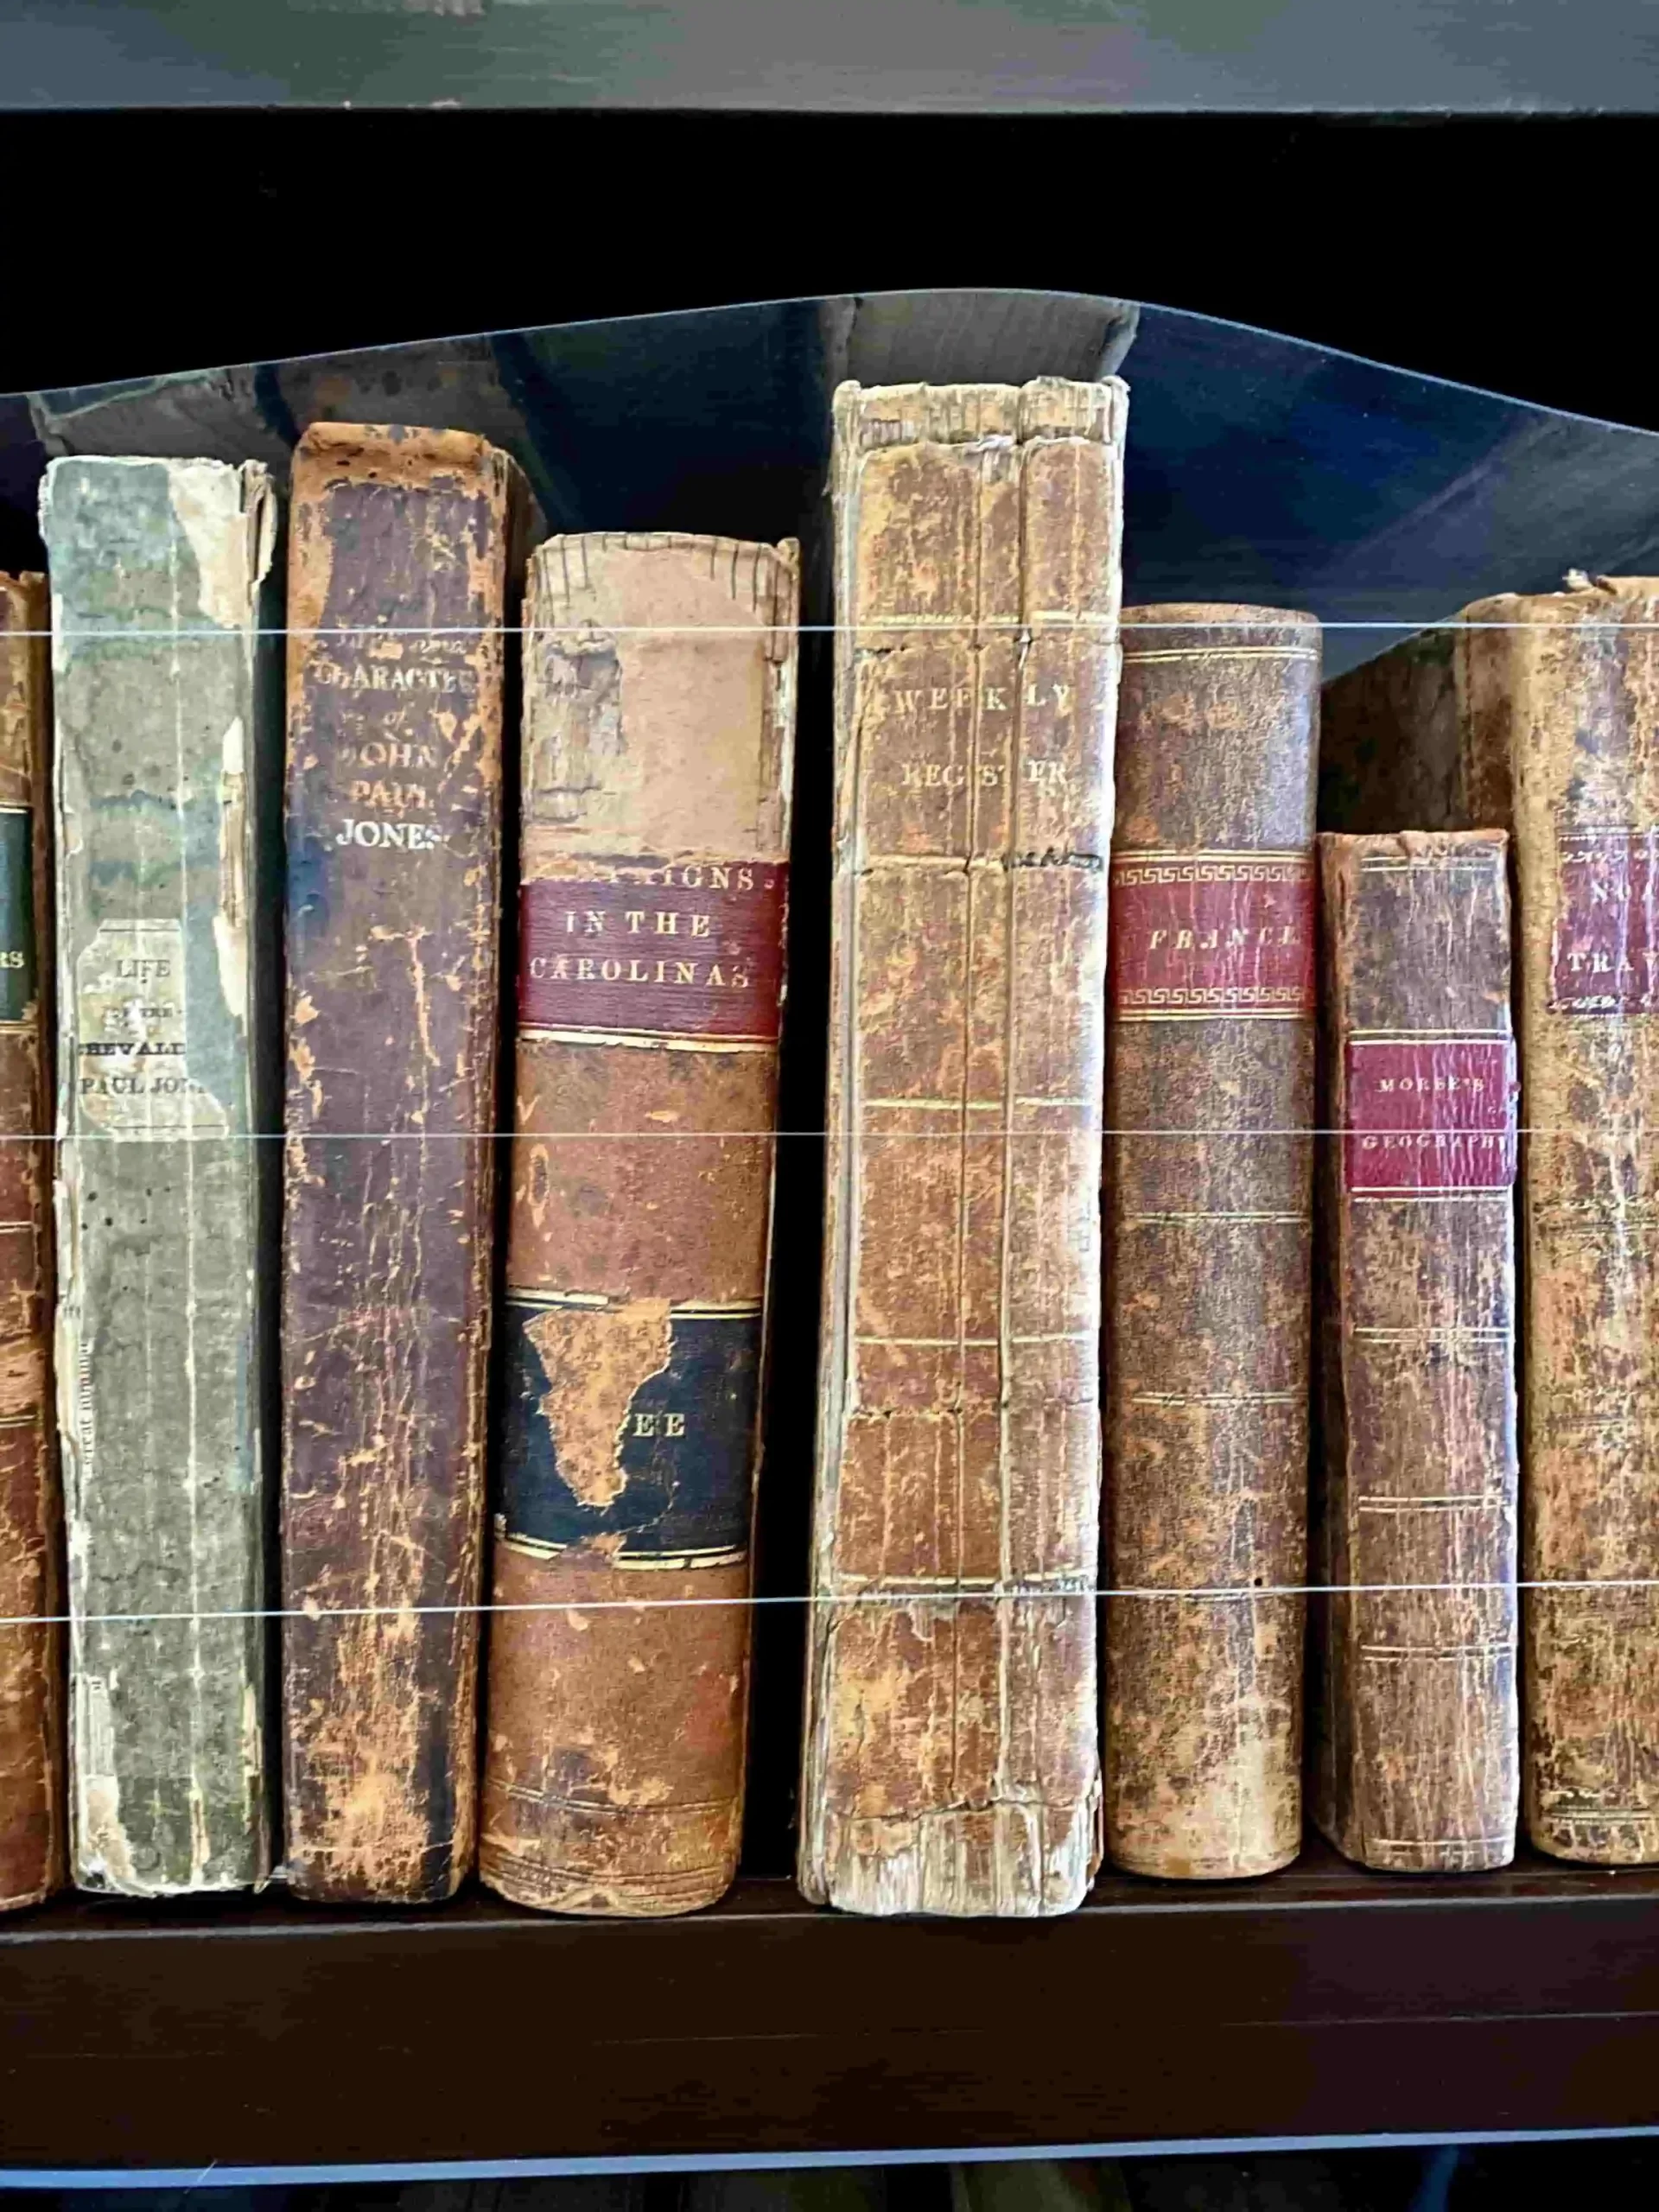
[(952, 1752), (398, 581), (659, 707), (1416, 1752), (167, 757), (1536, 714), (31, 1656), (1209, 1219)]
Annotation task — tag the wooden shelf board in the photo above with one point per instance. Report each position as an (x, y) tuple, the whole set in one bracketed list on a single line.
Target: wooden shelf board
[(1323, 2001)]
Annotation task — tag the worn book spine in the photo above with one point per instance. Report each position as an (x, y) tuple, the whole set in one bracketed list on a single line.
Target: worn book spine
[(951, 1749), (1209, 1224), (660, 703), (398, 579), (31, 1533), (1536, 714), (165, 746), (1416, 1754)]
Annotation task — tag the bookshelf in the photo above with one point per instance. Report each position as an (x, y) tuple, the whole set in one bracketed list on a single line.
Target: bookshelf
[(1322, 2002)]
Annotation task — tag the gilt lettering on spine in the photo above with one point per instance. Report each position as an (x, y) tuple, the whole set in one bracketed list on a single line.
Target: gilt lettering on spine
[(1415, 1764), (656, 765), (1209, 1228), (1536, 715), (951, 1756), (400, 582)]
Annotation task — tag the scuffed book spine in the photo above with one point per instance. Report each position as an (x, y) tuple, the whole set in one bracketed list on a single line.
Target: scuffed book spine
[(1416, 1757), (1536, 714), (1209, 1221), (399, 584), (659, 704), (164, 754), (31, 1531), (951, 1750)]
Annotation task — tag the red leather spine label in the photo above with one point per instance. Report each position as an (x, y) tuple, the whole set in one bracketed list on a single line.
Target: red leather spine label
[(1430, 1114), (1197, 934), (645, 948), (1605, 945)]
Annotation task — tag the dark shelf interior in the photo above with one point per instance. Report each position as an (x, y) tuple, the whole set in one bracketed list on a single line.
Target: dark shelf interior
[(1458, 245)]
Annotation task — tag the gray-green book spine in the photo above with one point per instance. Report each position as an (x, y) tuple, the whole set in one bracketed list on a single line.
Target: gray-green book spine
[(169, 736)]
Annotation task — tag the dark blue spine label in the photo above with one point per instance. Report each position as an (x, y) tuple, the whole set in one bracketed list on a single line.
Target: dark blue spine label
[(17, 952), (630, 1427)]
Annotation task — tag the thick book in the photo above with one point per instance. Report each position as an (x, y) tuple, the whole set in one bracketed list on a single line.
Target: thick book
[(166, 748), (401, 554), (951, 1745), (1416, 1744), (1209, 1203), (31, 1638), (1535, 715), (655, 771)]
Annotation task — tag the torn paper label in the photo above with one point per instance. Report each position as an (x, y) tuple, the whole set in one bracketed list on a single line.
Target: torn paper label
[(132, 1076)]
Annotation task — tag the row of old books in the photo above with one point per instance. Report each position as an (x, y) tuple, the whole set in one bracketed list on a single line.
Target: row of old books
[(276, 1295), (275, 1292)]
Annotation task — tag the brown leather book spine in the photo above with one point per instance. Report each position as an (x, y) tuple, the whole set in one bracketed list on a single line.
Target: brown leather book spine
[(1417, 1752), (31, 1657), (951, 1754), (1556, 712), (1539, 720), (660, 710), (398, 590), (1209, 1204)]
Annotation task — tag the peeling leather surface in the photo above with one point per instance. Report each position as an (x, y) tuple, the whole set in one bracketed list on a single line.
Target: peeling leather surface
[(658, 726), (31, 1532), (161, 1338), (950, 1759), (1416, 1752), (1546, 728), (394, 829), (597, 1364), (1209, 1249)]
